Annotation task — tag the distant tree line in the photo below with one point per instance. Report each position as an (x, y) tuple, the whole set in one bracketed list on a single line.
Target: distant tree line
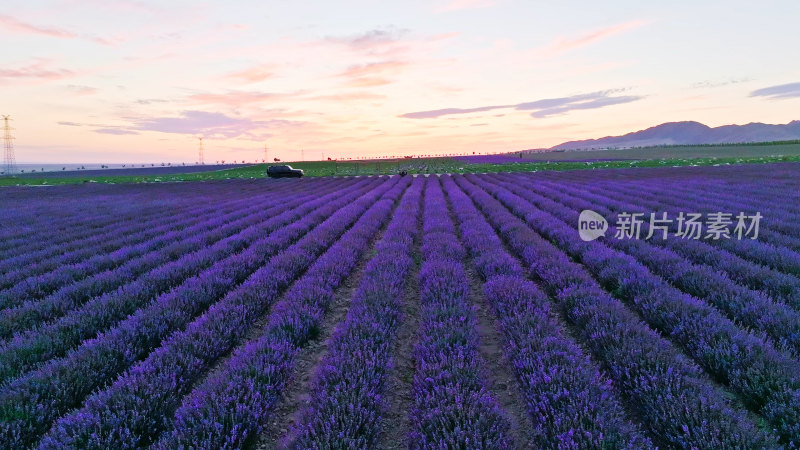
[(738, 144)]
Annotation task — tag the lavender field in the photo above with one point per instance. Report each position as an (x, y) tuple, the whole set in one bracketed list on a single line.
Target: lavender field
[(452, 311)]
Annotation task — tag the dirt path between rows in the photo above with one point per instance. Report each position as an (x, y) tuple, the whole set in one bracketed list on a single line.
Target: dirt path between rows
[(498, 375), (398, 391), (296, 394)]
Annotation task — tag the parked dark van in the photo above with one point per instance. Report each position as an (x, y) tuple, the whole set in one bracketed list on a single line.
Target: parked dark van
[(284, 172)]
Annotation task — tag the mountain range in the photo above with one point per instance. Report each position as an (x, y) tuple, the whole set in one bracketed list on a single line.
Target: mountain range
[(691, 133)]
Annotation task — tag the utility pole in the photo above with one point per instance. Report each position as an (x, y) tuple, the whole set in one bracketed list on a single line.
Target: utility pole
[(200, 149), (302, 155), (9, 161)]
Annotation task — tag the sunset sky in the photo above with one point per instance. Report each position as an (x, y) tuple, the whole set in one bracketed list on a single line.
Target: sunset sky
[(138, 81)]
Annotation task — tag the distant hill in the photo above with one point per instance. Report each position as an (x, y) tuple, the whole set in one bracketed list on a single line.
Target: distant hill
[(692, 133)]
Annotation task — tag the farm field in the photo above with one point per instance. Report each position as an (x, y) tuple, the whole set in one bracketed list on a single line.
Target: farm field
[(439, 311), (752, 150), (150, 170), (717, 155)]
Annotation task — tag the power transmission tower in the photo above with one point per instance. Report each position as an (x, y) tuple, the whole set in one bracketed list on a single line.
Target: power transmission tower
[(266, 153), (302, 155), (200, 149), (9, 161)]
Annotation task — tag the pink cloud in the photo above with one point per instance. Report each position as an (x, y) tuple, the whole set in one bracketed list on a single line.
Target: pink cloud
[(783, 91), (362, 70), (541, 108), (370, 39), (457, 5), (589, 38), (252, 74), (14, 25), (211, 125), (234, 98), (126, 6), (387, 44), (35, 71), (82, 90), (353, 96), (368, 82), (114, 131)]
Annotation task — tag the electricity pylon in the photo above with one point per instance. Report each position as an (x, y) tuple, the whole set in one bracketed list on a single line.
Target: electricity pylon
[(9, 161)]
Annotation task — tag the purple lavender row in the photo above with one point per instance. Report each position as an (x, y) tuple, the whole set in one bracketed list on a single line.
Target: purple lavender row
[(782, 176), (27, 267), (32, 310), (136, 242), (228, 409), (133, 411), (783, 216), (107, 309), (83, 235), (57, 230), (769, 247), (784, 221), (754, 309), (198, 291), (491, 159), (452, 407), (67, 211), (347, 397), (56, 338), (571, 404), (201, 235), (657, 204), (777, 228), (725, 186), (153, 238), (778, 285), (132, 232), (767, 381), (750, 308), (53, 242), (673, 398), (29, 218), (33, 269), (775, 250), (29, 404), (88, 214)]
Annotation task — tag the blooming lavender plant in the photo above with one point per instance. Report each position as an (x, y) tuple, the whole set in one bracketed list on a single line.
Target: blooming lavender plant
[(56, 338), (127, 312), (348, 389), (31, 402), (570, 403), (740, 359), (751, 308), (227, 410), (452, 407), (779, 286), (84, 241), (664, 387), (98, 279), (131, 412)]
